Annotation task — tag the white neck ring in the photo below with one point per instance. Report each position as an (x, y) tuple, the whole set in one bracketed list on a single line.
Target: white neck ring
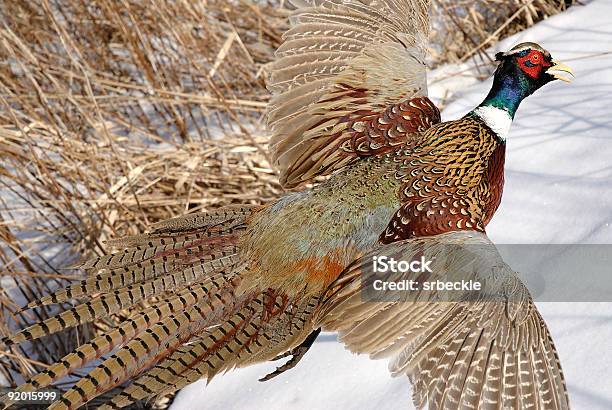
[(497, 119)]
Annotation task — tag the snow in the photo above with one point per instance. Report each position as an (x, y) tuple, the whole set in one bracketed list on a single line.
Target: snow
[(558, 190)]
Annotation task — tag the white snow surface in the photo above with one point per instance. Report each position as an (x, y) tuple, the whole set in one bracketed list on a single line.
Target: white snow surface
[(558, 190)]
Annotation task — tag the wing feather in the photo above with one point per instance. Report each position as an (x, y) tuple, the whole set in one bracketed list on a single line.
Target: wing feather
[(341, 59), (460, 350)]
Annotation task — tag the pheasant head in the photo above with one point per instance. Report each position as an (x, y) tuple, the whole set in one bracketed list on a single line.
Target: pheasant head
[(521, 71)]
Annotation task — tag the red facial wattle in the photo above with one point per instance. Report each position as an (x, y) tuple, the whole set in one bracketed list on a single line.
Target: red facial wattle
[(533, 63)]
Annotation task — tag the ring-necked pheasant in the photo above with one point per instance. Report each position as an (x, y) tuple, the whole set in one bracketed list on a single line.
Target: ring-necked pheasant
[(245, 284)]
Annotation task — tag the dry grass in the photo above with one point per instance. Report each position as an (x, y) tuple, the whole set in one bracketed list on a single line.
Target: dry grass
[(463, 29), (116, 114)]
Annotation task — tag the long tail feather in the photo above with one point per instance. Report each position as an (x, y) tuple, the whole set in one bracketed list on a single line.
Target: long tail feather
[(267, 326), (167, 376), (191, 263), (182, 232), (149, 347), (130, 275), (199, 327), (108, 304), (226, 217), (174, 251), (121, 334)]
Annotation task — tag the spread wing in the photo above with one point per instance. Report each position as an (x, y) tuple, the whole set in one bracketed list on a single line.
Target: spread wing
[(485, 350), (348, 81)]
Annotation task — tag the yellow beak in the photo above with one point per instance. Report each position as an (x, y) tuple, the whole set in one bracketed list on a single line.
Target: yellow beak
[(557, 71)]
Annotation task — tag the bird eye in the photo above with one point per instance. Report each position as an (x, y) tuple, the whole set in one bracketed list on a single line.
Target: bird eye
[(535, 57)]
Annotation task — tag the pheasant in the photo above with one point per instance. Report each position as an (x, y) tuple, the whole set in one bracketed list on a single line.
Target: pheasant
[(247, 284)]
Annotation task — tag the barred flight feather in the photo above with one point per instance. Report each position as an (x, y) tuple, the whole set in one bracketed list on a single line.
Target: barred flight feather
[(375, 51), (489, 353)]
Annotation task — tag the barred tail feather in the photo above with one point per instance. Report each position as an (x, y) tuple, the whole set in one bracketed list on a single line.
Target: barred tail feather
[(150, 346), (229, 216), (267, 326), (108, 304), (175, 239), (192, 262), (202, 327), (123, 277), (254, 342), (199, 229), (167, 376), (121, 334), (173, 252)]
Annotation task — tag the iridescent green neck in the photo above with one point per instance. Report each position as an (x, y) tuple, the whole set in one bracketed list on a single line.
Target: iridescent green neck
[(509, 88)]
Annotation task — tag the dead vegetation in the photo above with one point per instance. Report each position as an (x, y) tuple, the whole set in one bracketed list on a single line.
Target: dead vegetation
[(464, 29), (116, 114)]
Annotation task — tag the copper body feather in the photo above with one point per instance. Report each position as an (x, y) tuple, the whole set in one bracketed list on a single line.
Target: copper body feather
[(452, 180)]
